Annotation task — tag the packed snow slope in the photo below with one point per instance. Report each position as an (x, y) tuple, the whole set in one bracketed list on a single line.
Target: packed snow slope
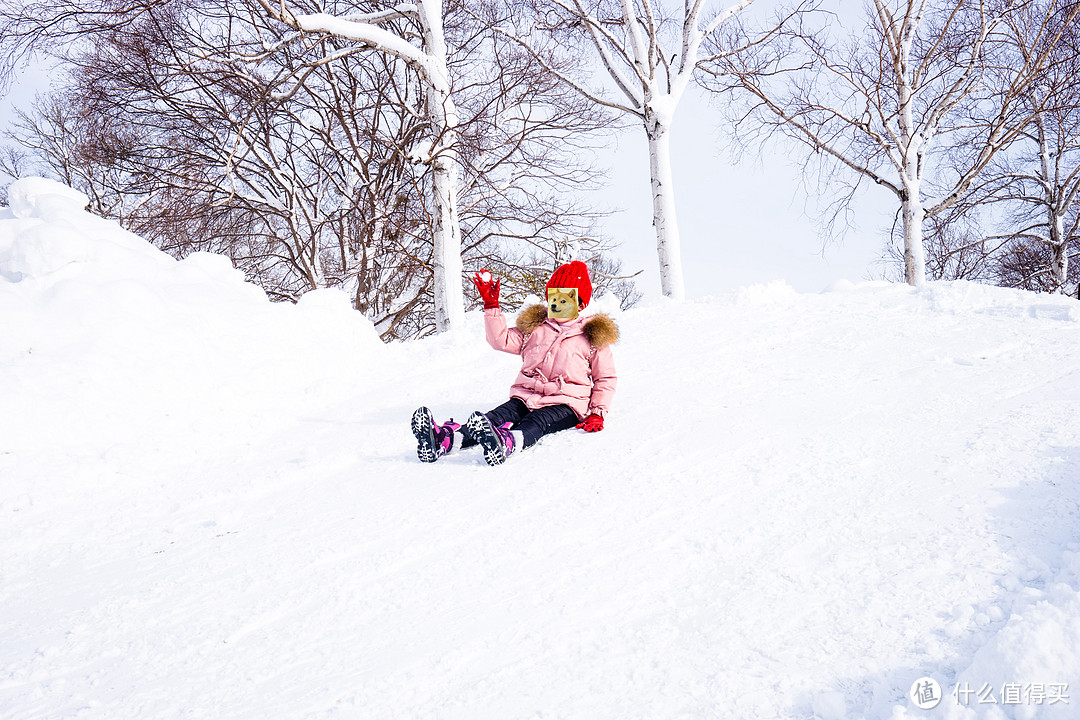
[(210, 505)]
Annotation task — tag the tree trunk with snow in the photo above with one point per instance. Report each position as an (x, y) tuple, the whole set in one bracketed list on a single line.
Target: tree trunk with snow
[(1050, 165), (446, 234), (911, 143), (914, 253), (1059, 248), (430, 63), (665, 220), (446, 256), (631, 43), (1060, 265)]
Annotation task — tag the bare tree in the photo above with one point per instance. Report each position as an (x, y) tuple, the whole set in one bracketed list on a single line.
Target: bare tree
[(1039, 181), (429, 61), (310, 167), (919, 102), (522, 141), (649, 54), (956, 248), (312, 192), (1027, 194), (50, 22)]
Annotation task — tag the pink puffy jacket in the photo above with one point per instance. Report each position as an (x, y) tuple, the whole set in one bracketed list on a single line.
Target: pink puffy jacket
[(563, 363)]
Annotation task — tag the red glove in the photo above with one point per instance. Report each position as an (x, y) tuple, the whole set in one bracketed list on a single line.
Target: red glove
[(489, 291), (593, 423)]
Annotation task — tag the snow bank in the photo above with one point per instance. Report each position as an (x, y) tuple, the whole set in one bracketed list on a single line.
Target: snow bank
[(210, 504), (138, 333), (1040, 640), (1029, 667)]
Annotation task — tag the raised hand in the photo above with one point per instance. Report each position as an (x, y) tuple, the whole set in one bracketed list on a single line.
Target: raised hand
[(489, 291)]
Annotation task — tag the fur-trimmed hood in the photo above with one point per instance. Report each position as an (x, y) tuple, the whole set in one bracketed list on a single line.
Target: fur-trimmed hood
[(600, 329)]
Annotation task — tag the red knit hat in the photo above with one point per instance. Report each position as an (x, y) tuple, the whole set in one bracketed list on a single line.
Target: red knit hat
[(573, 275)]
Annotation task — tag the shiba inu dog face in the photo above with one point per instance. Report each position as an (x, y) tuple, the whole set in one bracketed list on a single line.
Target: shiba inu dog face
[(562, 303)]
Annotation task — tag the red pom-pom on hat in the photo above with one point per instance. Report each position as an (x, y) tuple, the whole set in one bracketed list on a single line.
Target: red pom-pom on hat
[(573, 275)]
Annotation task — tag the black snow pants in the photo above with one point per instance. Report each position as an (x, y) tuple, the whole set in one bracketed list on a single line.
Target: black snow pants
[(533, 424)]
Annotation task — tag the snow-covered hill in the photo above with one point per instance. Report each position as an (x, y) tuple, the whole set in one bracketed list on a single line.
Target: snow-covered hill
[(210, 505)]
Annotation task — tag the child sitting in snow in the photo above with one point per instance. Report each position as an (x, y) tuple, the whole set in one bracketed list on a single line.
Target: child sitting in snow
[(567, 376)]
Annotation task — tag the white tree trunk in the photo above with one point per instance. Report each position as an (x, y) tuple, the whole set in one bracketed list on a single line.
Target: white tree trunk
[(431, 63), (664, 218), (914, 254), (910, 160), (446, 257), (1050, 162), (1059, 248), (651, 79)]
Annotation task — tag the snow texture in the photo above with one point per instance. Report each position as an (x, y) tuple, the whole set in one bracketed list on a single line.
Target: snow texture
[(210, 505)]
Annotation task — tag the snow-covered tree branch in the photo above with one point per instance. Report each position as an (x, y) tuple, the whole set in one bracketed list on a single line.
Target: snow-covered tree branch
[(429, 60), (305, 156)]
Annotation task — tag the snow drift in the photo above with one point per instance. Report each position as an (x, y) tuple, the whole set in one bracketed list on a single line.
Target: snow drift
[(210, 504)]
